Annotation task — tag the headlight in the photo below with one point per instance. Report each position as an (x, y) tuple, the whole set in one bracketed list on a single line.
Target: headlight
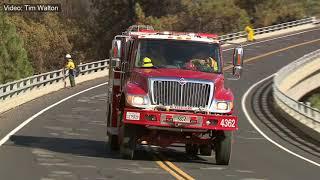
[(223, 106), (136, 100)]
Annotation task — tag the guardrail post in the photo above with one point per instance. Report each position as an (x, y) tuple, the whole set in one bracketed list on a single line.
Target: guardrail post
[(13, 87), (59, 74), (27, 83), (40, 80), (317, 115), (85, 69), (300, 106), (309, 110), (1, 92), (46, 78), (314, 20)]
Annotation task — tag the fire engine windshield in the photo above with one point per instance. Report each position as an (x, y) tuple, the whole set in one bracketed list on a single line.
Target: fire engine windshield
[(189, 55)]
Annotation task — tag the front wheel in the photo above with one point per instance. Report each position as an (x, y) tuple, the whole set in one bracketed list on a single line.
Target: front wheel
[(223, 147), (129, 141), (113, 142)]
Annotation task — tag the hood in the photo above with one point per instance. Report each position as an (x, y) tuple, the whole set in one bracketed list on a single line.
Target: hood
[(139, 77), (177, 73)]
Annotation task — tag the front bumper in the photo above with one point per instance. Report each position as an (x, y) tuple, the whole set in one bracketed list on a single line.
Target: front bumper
[(180, 119)]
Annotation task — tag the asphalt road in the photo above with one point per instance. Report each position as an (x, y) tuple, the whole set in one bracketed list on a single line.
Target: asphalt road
[(68, 140)]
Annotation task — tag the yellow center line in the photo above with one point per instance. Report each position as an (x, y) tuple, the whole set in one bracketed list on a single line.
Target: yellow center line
[(274, 52), (180, 174), (166, 168), (174, 167)]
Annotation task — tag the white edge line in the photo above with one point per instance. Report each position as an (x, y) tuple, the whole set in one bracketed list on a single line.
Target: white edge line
[(15, 130), (279, 37), (244, 98)]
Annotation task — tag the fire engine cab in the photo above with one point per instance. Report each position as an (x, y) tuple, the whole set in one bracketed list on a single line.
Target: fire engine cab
[(168, 87)]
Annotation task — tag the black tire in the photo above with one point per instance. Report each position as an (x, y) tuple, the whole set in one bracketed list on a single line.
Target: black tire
[(128, 144), (113, 142), (223, 147), (205, 150), (192, 149)]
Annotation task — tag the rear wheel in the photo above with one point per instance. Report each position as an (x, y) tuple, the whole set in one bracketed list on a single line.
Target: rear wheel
[(129, 141), (205, 150), (192, 149), (223, 147)]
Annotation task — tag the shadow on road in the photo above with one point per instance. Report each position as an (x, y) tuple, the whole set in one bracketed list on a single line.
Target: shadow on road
[(93, 148), (80, 147)]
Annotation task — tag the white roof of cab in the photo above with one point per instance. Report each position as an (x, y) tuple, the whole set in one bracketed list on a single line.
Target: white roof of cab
[(164, 35)]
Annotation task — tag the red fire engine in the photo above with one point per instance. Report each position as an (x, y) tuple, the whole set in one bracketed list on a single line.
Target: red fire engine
[(168, 87)]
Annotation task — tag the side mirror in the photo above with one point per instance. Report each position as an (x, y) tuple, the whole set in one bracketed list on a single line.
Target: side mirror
[(116, 53), (237, 62), (116, 48)]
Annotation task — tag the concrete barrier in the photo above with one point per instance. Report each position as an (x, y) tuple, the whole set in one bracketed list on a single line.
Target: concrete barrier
[(290, 84)]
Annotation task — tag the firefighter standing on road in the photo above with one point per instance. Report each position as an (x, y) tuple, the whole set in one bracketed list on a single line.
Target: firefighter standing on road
[(72, 71), (250, 33)]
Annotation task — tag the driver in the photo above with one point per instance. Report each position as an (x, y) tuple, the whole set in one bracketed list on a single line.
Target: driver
[(206, 65), (212, 63)]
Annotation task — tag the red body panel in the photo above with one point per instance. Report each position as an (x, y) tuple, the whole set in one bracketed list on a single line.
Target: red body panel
[(179, 73)]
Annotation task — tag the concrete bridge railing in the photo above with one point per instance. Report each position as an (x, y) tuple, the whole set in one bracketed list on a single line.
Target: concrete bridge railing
[(291, 83)]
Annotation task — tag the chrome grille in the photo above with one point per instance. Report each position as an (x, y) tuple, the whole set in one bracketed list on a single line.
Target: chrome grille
[(194, 94)]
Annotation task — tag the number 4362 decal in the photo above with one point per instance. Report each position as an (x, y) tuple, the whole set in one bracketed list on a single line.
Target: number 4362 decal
[(230, 123)]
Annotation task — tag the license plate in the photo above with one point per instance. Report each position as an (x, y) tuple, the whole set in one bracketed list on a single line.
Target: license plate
[(133, 116), (181, 119)]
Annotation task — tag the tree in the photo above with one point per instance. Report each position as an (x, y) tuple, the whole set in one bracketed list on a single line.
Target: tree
[(219, 16), (278, 11), (14, 62), (312, 7), (46, 40), (112, 18)]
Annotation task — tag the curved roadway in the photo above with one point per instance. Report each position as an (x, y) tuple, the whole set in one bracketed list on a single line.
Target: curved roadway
[(67, 141)]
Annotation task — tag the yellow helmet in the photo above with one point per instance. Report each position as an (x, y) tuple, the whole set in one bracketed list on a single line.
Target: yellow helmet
[(147, 62)]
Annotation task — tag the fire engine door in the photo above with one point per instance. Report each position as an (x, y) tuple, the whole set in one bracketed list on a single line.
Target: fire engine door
[(116, 81)]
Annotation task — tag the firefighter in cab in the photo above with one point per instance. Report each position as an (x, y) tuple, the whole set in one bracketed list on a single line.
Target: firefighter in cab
[(147, 62), (250, 33), (70, 65)]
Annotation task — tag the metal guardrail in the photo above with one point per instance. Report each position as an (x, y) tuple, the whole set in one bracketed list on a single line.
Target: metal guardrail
[(18, 87), (299, 107), (277, 27)]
